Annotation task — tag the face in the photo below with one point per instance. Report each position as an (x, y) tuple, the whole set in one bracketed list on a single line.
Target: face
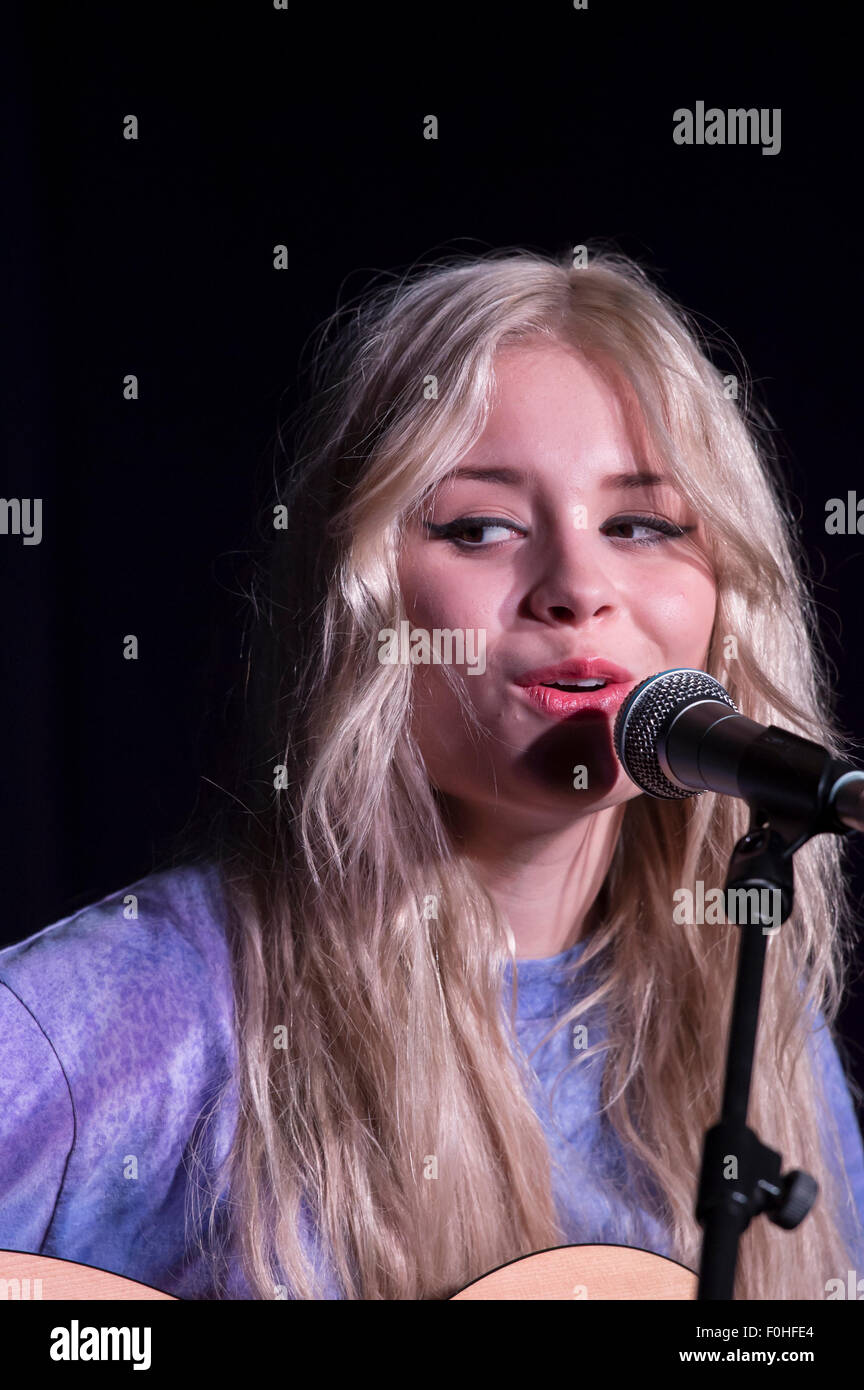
[(560, 553)]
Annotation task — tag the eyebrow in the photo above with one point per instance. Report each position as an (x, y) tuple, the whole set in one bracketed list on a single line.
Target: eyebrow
[(516, 477)]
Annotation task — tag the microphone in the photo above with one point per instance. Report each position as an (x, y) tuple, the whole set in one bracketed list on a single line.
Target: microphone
[(679, 733)]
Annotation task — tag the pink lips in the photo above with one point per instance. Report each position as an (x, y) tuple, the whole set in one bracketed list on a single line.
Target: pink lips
[(581, 668), (608, 699)]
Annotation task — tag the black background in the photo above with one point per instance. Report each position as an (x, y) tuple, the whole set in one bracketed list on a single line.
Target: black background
[(305, 127)]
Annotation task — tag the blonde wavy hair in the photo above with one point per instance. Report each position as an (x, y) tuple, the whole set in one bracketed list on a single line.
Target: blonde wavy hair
[(395, 1042)]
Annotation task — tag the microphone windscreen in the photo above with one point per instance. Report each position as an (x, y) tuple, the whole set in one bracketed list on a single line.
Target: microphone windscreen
[(645, 717)]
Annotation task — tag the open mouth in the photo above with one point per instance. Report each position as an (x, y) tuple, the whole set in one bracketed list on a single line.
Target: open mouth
[(576, 685), (562, 698)]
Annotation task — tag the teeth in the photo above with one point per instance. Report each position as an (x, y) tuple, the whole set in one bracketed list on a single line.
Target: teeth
[(578, 685)]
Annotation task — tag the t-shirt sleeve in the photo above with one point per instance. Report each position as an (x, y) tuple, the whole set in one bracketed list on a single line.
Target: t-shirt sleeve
[(839, 1100), (37, 1126)]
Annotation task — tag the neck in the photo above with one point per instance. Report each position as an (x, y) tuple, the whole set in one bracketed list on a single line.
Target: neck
[(545, 881)]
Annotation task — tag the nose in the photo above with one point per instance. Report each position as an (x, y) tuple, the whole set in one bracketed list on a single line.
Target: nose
[(576, 583)]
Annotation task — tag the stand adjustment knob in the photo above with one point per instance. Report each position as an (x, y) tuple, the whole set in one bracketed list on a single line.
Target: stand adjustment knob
[(797, 1194)]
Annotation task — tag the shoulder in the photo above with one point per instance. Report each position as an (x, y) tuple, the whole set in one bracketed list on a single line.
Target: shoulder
[(148, 962), (117, 1035)]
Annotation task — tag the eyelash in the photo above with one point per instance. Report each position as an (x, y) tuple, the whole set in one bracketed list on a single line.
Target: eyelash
[(667, 530)]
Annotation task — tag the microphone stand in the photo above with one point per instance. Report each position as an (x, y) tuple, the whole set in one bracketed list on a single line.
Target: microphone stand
[(741, 1177)]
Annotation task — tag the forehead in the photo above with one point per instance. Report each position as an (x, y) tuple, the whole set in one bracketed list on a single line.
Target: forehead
[(555, 403)]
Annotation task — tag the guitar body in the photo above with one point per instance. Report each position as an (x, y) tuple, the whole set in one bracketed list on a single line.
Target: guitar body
[(586, 1272), (40, 1277), (573, 1272)]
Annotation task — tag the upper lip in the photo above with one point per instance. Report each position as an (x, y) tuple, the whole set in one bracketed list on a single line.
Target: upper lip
[(576, 669)]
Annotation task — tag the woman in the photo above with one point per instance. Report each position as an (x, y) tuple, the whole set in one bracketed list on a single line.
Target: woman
[(421, 1006)]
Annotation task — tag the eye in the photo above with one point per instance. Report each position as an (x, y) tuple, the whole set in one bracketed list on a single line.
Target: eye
[(474, 526), (661, 529), (467, 532)]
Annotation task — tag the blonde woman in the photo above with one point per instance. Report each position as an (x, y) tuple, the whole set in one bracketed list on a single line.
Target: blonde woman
[(420, 1006)]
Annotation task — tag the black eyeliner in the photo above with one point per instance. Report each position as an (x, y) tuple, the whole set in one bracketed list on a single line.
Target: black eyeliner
[(444, 528), (656, 523)]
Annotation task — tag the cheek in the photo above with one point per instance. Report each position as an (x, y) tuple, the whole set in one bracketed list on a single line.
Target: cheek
[(680, 612), (436, 596), (435, 599)]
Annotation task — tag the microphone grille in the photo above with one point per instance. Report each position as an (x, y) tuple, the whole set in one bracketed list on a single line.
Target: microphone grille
[(647, 713)]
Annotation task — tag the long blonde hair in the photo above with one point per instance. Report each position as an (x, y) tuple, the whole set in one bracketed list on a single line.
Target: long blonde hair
[(393, 1043)]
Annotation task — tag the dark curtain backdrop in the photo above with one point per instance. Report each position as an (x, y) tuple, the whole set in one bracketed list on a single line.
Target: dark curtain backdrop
[(260, 126)]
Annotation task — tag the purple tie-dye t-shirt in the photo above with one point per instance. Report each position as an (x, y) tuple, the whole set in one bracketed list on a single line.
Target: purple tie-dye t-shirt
[(116, 1027)]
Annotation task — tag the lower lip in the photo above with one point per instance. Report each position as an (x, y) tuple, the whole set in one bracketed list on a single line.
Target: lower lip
[(560, 703)]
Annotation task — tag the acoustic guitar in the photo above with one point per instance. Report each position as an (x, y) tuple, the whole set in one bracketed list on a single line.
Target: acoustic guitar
[(573, 1272)]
